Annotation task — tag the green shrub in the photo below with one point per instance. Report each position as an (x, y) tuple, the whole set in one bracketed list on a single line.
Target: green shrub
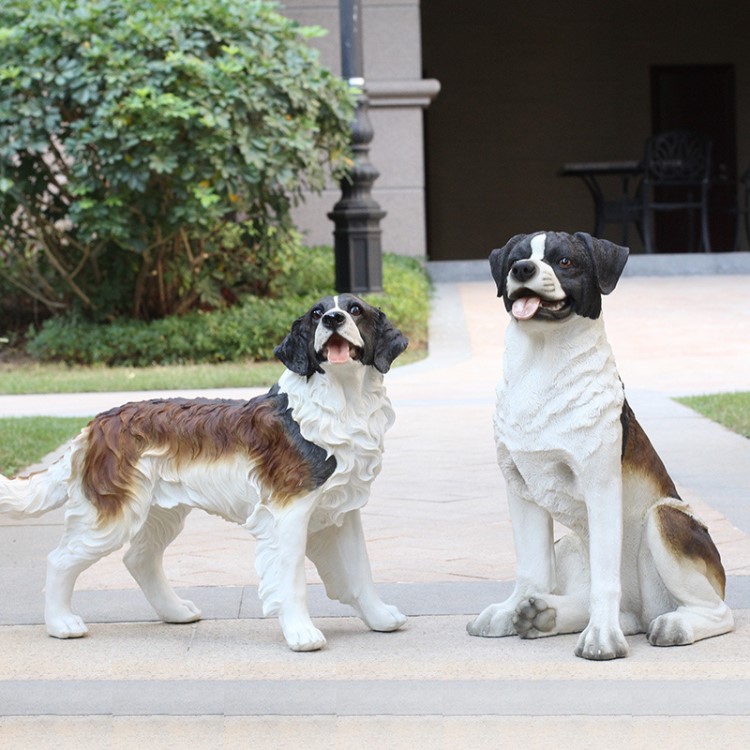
[(406, 300), (150, 151), (251, 329)]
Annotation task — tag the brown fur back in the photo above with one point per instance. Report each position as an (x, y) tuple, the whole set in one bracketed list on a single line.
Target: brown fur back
[(194, 430), (640, 457)]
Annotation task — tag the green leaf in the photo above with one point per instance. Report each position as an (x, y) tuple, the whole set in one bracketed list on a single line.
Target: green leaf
[(167, 129)]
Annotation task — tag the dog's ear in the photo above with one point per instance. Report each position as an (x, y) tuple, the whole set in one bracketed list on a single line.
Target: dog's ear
[(389, 343), (499, 262), (609, 260), (294, 350)]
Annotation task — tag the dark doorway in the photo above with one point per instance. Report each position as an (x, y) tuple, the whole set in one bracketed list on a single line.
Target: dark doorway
[(700, 98)]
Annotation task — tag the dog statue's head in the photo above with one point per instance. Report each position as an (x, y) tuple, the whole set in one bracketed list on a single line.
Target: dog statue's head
[(552, 275), (338, 331)]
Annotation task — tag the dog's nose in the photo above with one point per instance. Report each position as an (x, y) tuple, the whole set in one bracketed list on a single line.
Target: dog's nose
[(523, 270), (333, 319)]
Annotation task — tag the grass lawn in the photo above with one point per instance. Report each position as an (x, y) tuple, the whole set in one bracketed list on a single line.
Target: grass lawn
[(33, 377), (17, 377), (729, 409), (23, 441)]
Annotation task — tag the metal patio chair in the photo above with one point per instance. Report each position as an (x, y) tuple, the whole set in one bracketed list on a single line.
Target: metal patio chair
[(676, 177)]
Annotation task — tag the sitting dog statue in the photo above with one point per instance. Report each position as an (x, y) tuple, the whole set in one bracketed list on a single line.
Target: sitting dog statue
[(294, 466), (571, 450)]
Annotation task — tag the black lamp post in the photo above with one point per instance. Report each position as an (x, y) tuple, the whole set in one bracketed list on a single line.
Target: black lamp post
[(356, 234)]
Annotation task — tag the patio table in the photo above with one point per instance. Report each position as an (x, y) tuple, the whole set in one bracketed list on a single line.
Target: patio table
[(620, 210)]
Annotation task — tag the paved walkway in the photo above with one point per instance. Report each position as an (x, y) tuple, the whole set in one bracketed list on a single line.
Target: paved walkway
[(440, 543)]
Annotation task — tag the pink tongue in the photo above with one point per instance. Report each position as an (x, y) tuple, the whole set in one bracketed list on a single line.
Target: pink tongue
[(338, 350), (524, 308)]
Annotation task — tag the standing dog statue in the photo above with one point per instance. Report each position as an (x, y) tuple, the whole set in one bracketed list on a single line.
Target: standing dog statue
[(294, 466), (571, 450)]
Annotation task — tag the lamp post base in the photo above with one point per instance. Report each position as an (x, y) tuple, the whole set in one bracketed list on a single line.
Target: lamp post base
[(357, 248)]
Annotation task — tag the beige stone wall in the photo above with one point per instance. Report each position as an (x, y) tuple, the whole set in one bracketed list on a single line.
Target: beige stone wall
[(524, 88), (392, 67)]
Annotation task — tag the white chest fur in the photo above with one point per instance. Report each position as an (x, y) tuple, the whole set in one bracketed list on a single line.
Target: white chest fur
[(346, 412), (558, 410)]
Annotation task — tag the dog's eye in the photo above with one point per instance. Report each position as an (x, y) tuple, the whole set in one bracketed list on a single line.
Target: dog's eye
[(565, 263), (317, 314), (355, 309)]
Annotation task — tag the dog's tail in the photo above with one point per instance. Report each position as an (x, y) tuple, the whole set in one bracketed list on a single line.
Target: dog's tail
[(36, 494)]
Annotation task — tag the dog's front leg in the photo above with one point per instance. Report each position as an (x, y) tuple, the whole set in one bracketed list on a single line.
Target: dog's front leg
[(603, 637), (535, 567), (280, 563), (340, 555)]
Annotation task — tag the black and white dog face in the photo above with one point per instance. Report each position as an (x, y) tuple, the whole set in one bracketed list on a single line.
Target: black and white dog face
[(337, 331), (549, 276)]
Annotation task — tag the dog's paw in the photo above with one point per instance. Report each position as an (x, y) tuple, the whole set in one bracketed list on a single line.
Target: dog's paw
[(304, 637), (600, 644), (181, 611), (66, 626), (534, 618), (385, 619), (670, 629), (494, 621)]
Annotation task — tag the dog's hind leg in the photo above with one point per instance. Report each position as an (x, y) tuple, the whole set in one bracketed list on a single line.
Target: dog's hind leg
[(145, 558), (83, 543), (340, 555), (689, 566), (63, 568)]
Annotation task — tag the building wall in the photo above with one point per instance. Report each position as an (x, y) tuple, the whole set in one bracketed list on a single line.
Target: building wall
[(524, 88), (393, 75), (528, 87)]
